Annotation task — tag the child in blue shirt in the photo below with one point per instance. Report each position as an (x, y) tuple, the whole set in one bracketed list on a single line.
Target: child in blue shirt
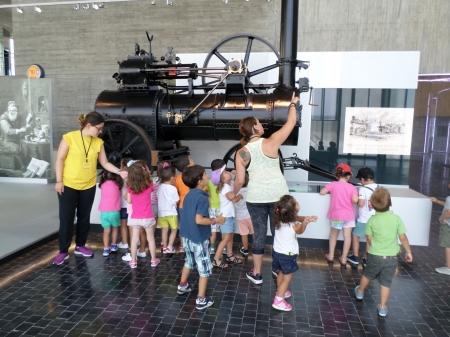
[(196, 231)]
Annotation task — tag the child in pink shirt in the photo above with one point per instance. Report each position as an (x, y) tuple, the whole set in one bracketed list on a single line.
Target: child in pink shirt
[(341, 213), (110, 186)]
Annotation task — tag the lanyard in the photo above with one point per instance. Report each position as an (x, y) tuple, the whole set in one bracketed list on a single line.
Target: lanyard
[(84, 147)]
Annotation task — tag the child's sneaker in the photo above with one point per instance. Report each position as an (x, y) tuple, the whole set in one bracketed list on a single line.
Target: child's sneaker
[(358, 295), (204, 302), (212, 250), (143, 254), (106, 251), (443, 270), (243, 251), (82, 250), (60, 258), (353, 260), (155, 262), (181, 249), (184, 289), (255, 278), (364, 262), (122, 245), (382, 312), (281, 305), (287, 294), (133, 264), (114, 248), (170, 250), (166, 250), (275, 272)]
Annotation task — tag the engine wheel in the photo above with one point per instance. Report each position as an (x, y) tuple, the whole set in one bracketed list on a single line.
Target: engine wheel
[(230, 157), (123, 138), (250, 38)]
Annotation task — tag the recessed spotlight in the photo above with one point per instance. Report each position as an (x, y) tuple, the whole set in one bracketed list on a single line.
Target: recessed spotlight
[(169, 2), (76, 7), (86, 6), (95, 6), (101, 5), (19, 10), (153, 2), (225, 1), (37, 9)]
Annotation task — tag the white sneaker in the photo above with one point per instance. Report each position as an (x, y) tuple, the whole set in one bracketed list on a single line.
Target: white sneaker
[(443, 270), (122, 245), (127, 256), (170, 250)]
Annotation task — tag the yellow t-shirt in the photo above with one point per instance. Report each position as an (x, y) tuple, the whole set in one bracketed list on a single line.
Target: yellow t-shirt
[(74, 174)]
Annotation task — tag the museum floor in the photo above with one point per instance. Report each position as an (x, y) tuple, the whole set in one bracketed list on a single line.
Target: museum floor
[(104, 297)]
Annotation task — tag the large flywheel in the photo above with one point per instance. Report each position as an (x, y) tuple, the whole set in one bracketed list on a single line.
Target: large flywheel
[(123, 138)]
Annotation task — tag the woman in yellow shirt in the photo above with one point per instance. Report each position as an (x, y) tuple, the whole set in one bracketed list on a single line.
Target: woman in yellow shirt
[(76, 176)]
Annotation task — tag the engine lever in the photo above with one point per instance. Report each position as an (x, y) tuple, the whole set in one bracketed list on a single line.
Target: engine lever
[(310, 95)]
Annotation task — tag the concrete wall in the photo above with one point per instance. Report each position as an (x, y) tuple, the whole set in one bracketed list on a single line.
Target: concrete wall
[(79, 49)]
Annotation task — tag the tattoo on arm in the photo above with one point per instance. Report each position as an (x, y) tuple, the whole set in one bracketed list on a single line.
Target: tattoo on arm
[(245, 156)]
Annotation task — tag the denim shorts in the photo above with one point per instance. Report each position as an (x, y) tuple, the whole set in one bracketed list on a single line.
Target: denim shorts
[(123, 213), (109, 219), (381, 268), (286, 263), (359, 229), (197, 255), (228, 226)]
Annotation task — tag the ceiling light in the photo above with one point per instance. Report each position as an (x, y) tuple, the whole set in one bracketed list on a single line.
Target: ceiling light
[(225, 1), (86, 6), (153, 2), (19, 10), (37, 9), (101, 5), (169, 2), (268, 0), (76, 7), (95, 6)]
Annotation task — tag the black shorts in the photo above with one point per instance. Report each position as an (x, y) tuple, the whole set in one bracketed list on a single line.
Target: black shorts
[(123, 213), (381, 268)]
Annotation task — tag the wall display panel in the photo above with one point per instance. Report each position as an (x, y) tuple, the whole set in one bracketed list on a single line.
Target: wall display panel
[(378, 130), (25, 128)]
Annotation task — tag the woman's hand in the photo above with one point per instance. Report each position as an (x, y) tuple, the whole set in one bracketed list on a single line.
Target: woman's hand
[(124, 174), (59, 187), (295, 99)]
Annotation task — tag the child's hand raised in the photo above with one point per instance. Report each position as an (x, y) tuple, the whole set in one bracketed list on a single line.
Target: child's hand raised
[(309, 219), (220, 219)]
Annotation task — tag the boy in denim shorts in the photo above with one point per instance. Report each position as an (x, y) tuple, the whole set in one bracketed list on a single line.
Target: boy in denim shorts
[(196, 230), (365, 176), (444, 233), (381, 235)]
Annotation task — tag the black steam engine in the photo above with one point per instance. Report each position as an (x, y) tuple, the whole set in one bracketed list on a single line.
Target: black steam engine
[(149, 112)]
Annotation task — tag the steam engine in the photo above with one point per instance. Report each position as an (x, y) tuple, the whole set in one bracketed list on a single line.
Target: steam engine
[(149, 112)]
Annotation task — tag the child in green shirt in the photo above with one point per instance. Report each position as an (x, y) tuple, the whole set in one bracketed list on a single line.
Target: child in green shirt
[(381, 236)]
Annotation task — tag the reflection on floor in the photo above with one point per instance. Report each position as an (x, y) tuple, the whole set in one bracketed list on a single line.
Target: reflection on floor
[(104, 297)]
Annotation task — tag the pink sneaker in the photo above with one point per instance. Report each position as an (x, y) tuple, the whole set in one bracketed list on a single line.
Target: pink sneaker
[(281, 305), (287, 294), (133, 264), (155, 262), (166, 250), (82, 250)]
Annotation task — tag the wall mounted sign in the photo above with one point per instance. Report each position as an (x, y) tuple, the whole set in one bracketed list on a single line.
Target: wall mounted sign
[(35, 71)]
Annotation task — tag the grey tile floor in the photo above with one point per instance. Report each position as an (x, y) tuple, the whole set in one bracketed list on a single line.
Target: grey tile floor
[(104, 297)]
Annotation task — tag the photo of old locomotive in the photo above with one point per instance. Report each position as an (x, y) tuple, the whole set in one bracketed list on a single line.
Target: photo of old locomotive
[(149, 112)]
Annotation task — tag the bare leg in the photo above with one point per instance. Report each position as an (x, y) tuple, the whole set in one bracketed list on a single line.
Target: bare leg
[(283, 282), (164, 235), (151, 241), (173, 236), (447, 257), (355, 245), (185, 274), (363, 284), (124, 230), (230, 244), (134, 241), (106, 233), (115, 234), (143, 239), (332, 242), (347, 242), (384, 293), (181, 242), (202, 283), (244, 239), (257, 263), (220, 247)]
